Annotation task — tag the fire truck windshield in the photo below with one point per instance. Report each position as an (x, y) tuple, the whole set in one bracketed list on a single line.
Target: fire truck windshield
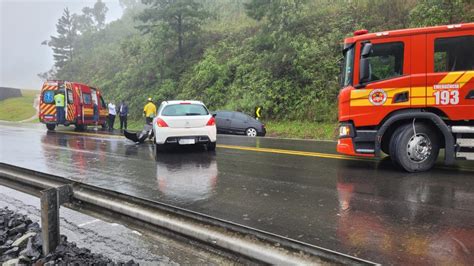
[(347, 67)]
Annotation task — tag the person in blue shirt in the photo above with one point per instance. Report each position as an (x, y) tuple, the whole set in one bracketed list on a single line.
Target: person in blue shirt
[(96, 114)]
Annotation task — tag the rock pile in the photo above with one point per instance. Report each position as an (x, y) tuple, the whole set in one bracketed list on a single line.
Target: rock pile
[(21, 243)]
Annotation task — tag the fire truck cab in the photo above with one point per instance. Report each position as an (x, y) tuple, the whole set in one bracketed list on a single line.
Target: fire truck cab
[(409, 93), (79, 104)]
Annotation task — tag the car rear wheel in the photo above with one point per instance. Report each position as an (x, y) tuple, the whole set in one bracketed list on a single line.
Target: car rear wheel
[(50, 126), (211, 146), (251, 132), (415, 148), (159, 148)]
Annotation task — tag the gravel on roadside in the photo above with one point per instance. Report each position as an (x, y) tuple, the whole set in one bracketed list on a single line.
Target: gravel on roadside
[(21, 243)]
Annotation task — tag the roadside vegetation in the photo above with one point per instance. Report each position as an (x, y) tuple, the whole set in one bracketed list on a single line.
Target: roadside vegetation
[(280, 129), (283, 55), (18, 108), (302, 130)]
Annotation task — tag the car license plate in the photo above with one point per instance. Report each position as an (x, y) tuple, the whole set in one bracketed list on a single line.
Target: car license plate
[(187, 141)]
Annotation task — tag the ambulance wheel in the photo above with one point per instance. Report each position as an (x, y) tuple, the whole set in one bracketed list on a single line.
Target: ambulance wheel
[(415, 152), (80, 127), (50, 126)]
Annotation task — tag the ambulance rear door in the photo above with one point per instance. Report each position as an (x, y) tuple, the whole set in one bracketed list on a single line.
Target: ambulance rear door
[(87, 105), (47, 113), (70, 108)]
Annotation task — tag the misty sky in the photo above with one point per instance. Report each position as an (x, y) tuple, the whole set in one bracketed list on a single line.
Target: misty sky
[(24, 24)]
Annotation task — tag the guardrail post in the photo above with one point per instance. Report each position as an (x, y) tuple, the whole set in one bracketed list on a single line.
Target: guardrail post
[(51, 199)]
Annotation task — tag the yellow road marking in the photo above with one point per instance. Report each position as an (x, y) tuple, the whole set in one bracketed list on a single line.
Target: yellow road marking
[(246, 148), (277, 151), (292, 152)]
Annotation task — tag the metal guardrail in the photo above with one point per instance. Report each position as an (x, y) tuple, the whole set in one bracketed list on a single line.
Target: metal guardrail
[(226, 236)]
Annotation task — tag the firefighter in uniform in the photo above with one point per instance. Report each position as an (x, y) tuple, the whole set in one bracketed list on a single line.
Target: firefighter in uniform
[(149, 111), (59, 101)]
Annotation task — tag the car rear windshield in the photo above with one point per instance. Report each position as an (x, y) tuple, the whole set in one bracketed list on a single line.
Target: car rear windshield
[(184, 109)]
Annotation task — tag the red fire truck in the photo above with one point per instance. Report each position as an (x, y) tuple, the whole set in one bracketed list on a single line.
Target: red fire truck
[(409, 93), (79, 104)]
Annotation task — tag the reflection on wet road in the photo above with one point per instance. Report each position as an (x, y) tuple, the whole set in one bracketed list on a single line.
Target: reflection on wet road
[(362, 208)]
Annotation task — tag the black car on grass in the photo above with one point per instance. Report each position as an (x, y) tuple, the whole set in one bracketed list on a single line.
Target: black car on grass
[(231, 122)]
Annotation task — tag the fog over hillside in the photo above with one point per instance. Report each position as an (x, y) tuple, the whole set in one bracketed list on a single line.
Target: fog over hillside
[(24, 24)]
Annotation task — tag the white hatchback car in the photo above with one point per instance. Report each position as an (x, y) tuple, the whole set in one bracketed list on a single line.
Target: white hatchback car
[(184, 123)]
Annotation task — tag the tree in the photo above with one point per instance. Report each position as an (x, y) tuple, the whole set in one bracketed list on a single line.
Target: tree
[(130, 4), (92, 19), (258, 9), (439, 12), (50, 74), (63, 43), (98, 13), (277, 11), (183, 17)]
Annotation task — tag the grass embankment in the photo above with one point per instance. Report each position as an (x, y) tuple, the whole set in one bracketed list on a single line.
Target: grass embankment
[(279, 129), (133, 125), (18, 108), (301, 130)]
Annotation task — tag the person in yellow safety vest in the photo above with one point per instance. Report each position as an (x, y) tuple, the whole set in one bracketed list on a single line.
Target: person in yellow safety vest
[(149, 111), (59, 101)]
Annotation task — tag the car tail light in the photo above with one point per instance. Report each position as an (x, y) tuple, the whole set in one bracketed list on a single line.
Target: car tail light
[(211, 122), (161, 123)]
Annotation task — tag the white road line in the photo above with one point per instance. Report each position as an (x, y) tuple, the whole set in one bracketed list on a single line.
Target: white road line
[(136, 232), (89, 222)]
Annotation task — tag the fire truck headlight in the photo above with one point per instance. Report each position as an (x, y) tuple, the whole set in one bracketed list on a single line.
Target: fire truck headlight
[(344, 131)]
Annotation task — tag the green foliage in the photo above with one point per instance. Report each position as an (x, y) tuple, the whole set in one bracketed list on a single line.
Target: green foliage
[(439, 12), (174, 19), (63, 43), (301, 130), (91, 19), (283, 55)]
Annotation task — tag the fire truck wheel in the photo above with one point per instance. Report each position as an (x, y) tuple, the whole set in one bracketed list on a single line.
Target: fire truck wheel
[(50, 126), (415, 152), (393, 145)]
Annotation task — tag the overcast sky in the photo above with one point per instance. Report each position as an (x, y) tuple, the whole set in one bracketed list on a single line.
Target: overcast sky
[(24, 24)]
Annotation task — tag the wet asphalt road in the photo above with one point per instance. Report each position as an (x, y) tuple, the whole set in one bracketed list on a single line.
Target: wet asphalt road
[(364, 208)]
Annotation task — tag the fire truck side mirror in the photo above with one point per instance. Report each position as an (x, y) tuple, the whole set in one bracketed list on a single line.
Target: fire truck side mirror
[(366, 49), (364, 64), (364, 73)]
